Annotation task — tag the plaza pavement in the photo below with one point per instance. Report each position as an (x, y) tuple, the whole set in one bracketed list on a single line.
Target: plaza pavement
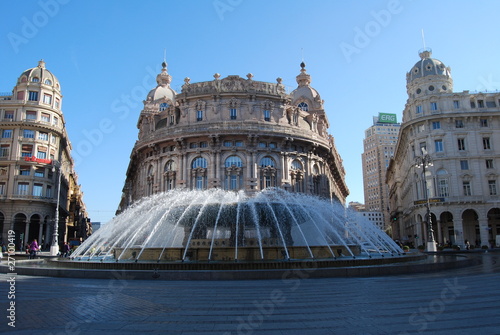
[(460, 301)]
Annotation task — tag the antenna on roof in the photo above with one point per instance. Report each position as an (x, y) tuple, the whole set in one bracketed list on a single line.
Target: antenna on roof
[(423, 39), (165, 55), (302, 53)]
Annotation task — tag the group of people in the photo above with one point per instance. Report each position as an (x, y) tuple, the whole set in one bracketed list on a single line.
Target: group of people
[(34, 247)]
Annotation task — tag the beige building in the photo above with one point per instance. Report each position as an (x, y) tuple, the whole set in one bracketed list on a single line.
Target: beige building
[(378, 148), (236, 134), (36, 165), (460, 131)]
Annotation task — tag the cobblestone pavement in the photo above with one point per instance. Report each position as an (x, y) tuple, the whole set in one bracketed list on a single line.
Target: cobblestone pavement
[(462, 301)]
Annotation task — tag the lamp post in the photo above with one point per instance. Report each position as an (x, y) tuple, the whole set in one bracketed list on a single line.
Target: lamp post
[(54, 248), (424, 162)]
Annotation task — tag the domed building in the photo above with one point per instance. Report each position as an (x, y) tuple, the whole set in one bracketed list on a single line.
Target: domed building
[(454, 136), (36, 168), (235, 134)]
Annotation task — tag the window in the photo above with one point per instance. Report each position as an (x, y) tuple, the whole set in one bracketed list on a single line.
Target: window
[(35, 80), (464, 165), (199, 115), (436, 125), (43, 136), (7, 133), (28, 133), (41, 154), (484, 123), (203, 144), (37, 190), (238, 143), (486, 143), (296, 165), (267, 161), (461, 144), (22, 188), (199, 162), (48, 192), (9, 115), (442, 183), (228, 143), (163, 106), (273, 145), (491, 104), (456, 104), (434, 106), (232, 113), (56, 121), (40, 172), (48, 82), (466, 187), (58, 103), (26, 150), (438, 144), (267, 115), (33, 96), (459, 123), (193, 145), (4, 150), (472, 104), (2, 188), (172, 119), (489, 163), (45, 117), (30, 115), (233, 160), (24, 170), (418, 109), (262, 144), (20, 95), (47, 99), (480, 103), (492, 187), (303, 106)]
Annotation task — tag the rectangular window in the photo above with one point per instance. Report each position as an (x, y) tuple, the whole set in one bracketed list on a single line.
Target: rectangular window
[(172, 119), (423, 147), (20, 95), (484, 123), (41, 154), (472, 104), (233, 182), (438, 144), (434, 106), (491, 104), (48, 192), (492, 186), (22, 188), (56, 121), (40, 172), (228, 143), (24, 170), (199, 115), (33, 96), (486, 143), (464, 165), (273, 145), (436, 125), (26, 150), (58, 103), (267, 115), (9, 115), (238, 143), (456, 104), (262, 144), (199, 182), (4, 150), (193, 145), (203, 144), (489, 163), (461, 144), (418, 109), (459, 123), (466, 187), (7, 133), (37, 190), (2, 188), (45, 117), (47, 99), (28, 133), (480, 103), (443, 188), (43, 136), (233, 113), (30, 115)]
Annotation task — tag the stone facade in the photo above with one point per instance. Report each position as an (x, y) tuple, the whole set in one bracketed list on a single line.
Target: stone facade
[(460, 131), (236, 134), (35, 155)]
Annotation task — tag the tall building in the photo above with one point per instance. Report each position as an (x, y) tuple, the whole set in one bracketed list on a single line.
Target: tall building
[(235, 134), (378, 148), (36, 168), (459, 132)]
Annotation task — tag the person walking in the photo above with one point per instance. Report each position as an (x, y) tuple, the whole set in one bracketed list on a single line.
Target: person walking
[(34, 247)]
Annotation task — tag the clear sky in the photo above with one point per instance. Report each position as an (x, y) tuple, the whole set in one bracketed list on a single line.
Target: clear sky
[(106, 55)]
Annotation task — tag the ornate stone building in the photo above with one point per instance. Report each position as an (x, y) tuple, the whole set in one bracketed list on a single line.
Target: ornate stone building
[(235, 134), (36, 164), (460, 131)]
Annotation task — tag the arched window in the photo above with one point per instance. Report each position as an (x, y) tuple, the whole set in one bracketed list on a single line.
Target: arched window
[(316, 179), (268, 172), (199, 173), (169, 175), (35, 79), (163, 106), (233, 173), (297, 176), (303, 106), (48, 82)]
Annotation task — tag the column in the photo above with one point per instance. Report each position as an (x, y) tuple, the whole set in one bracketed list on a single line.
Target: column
[(26, 234), (439, 232), (483, 232)]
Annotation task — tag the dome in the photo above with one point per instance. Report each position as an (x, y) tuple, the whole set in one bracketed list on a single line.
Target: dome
[(428, 66), (41, 75), (163, 91), (304, 91)]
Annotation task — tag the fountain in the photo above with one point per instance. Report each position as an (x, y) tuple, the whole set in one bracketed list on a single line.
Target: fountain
[(223, 226)]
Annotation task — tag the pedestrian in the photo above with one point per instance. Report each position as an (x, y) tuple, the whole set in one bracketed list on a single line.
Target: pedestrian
[(467, 245), (34, 247), (65, 251)]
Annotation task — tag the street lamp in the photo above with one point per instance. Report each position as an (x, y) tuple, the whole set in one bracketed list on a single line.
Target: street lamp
[(423, 162), (54, 248)]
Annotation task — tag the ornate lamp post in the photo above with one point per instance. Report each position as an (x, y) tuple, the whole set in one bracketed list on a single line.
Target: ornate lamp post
[(424, 162), (54, 248)]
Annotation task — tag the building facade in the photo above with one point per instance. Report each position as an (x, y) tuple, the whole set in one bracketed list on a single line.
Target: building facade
[(460, 132), (36, 168), (235, 134), (378, 148)]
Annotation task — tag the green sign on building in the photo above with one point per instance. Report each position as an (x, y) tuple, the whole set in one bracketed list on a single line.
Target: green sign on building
[(387, 118)]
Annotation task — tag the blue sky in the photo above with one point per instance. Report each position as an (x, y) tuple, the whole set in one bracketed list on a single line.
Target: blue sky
[(106, 55)]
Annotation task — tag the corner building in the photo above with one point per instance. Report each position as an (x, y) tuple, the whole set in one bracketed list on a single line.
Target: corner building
[(36, 168), (235, 134), (460, 131)]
